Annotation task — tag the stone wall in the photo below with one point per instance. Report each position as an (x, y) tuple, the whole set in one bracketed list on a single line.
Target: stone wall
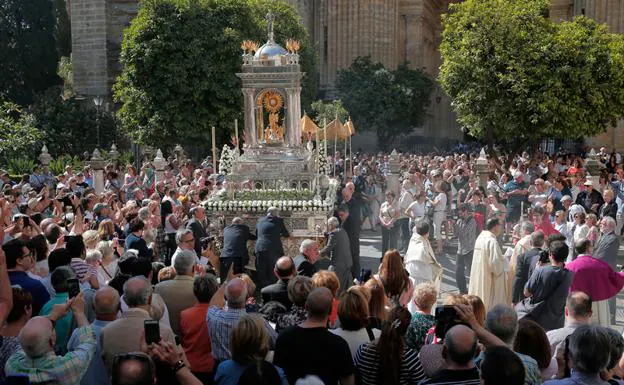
[(89, 49)]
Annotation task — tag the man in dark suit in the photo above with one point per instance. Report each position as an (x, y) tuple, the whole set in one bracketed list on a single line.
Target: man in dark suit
[(269, 231), (197, 226), (351, 226), (235, 237), (523, 265), (339, 252), (284, 270), (610, 207), (305, 263)]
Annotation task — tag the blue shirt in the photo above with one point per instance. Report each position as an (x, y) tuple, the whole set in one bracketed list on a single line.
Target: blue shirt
[(579, 378), (220, 325), (514, 200), (39, 293), (64, 326), (96, 372), (229, 372)]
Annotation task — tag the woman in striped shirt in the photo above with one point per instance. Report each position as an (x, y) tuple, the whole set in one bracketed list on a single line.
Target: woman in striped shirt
[(387, 361)]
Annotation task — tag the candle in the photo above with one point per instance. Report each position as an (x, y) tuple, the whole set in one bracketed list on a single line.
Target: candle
[(325, 135), (236, 133), (214, 151)]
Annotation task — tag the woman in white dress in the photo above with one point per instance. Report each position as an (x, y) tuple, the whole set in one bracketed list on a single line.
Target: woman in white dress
[(388, 215), (581, 230), (108, 265), (439, 203)]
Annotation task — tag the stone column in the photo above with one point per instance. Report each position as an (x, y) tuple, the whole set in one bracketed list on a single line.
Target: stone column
[(482, 169), (392, 178), (251, 133), (159, 164), (593, 168), (97, 165), (45, 158), (113, 153)]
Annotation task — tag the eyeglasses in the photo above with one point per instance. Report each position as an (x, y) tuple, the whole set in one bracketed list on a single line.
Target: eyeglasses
[(188, 240), (29, 254)]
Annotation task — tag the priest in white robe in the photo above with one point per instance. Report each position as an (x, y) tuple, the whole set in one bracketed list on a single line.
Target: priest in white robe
[(488, 279)]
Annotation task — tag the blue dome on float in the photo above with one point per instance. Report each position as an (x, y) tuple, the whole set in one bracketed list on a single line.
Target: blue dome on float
[(269, 51)]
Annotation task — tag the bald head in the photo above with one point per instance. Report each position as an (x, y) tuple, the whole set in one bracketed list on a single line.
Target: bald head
[(37, 337), (285, 268), (460, 345), (106, 303), (133, 371), (236, 293), (319, 303)]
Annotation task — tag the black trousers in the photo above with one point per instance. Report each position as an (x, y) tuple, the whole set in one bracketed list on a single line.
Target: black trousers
[(171, 248), (224, 267), (265, 262), (463, 260), (388, 238), (403, 223)]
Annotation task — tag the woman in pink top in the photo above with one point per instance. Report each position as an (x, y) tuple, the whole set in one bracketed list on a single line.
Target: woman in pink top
[(595, 278)]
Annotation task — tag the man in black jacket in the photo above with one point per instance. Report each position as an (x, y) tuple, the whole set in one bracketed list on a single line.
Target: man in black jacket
[(305, 263), (235, 237), (284, 270), (590, 199), (523, 266), (269, 231), (197, 226)]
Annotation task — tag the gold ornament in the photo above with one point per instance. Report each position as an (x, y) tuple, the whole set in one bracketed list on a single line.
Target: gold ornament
[(273, 101)]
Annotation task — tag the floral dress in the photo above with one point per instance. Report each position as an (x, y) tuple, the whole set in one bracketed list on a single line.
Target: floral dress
[(417, 331), (295, 316)]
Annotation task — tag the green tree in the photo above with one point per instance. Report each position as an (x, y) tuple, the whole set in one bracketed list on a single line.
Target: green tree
[(62, 28), (516, 77), (391, 103), (27, 49), (327, 111), (68, 126), (19, 136), (177, 100)]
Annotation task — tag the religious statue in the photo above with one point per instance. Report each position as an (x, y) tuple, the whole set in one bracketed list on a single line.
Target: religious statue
[(274, 133)]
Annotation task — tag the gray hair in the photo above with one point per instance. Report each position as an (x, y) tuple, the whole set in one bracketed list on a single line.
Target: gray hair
[(143, 213), (105, 248), (273, 211), (93, 256), (502, 321), (610, 222), (35, 345), (594, 360), (137, 291), (59, 278), (537, 239), (237, 221), (181, 233), (527, 227), (184, 262), (194, 210), (305, 244), (333, 223)]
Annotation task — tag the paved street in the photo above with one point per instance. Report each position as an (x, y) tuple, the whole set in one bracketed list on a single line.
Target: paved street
[(370, 253)]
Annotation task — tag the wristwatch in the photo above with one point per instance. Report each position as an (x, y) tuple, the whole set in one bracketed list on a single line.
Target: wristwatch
[(178, 365)]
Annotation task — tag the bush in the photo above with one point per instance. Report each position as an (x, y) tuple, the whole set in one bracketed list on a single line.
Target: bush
[(57, 166), (20, 166)]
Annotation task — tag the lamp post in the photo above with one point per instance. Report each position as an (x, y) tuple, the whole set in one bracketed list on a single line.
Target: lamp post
[(98, 100)]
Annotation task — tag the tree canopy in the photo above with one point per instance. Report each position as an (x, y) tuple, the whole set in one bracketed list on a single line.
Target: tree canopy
[(180, 59), (18, 135), (28, 48), (516, 77), (327, 111), (391, 103)]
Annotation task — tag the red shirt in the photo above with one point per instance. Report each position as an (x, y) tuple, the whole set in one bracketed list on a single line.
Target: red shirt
[(195, 338)]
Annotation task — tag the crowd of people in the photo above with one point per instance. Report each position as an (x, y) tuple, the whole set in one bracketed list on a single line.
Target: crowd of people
[(135, 285)]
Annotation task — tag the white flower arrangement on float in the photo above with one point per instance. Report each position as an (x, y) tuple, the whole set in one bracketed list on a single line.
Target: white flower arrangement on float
[(262, 206), (226, 161)]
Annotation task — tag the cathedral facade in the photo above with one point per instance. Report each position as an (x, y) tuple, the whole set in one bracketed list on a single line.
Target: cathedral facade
[(390, 31)]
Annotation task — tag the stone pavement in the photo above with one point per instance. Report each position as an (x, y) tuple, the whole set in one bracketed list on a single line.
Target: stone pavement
[(370, 254)]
